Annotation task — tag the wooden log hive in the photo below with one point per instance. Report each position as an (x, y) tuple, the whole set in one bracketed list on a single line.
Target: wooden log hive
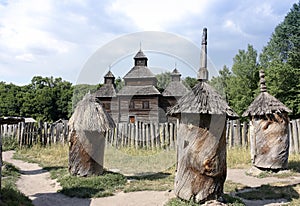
[(88, 126), (270, 138), (201, 140)]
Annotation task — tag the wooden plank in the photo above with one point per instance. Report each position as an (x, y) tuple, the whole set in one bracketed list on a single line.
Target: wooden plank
[(172, 142), (132, 135), (136, 135), (147, 136), (152, 136), (231, 131), (291, 139), (295, 136), (161, 134), (252, 141), (167, 136), (244, 134), (298, 137), (144, 135)]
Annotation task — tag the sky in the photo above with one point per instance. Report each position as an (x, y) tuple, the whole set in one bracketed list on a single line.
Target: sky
[(61, 38)]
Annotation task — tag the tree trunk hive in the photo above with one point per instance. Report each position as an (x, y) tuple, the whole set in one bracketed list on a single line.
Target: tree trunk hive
[(269, 118), (88, 125), (201, 169)]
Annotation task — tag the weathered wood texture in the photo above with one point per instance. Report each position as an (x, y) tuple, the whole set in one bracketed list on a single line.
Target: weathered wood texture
[(50, 133), (88, 126), (143, 135), (27, 134), (271, 143), (201, 170)]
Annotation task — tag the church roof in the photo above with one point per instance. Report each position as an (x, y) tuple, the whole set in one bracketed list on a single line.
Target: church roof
[(176, 89), (109, 74), (139, 72), (202, 99), (107, 90), (140, 55), (138, 90)]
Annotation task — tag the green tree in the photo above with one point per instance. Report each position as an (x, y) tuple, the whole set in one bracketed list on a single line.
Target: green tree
[(190, 82), (280, 59), (163, 80), (243, 83), (220, 82)]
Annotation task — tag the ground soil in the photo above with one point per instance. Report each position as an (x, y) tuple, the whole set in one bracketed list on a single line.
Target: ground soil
[(37, 185)]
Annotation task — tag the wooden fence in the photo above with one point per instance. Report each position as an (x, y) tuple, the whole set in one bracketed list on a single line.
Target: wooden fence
[(238, 134), (30, 133), (143, 135), (138, 135)]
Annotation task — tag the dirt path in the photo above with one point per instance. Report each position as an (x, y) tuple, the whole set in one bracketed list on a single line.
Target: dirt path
[(37, 185)]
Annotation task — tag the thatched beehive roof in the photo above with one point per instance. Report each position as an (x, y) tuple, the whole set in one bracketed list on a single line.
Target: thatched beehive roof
[(202, 99), (265, 103), (89, 115)]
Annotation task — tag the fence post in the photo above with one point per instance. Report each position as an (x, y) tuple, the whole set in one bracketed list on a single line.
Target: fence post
[(244, 134), (172, 143), (252, 141), (291, 140), (152, 136), (136, 126), (295, 136), (298, 137)]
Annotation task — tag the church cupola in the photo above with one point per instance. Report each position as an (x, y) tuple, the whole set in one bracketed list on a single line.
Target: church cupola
[(175, 76), (109, 78), (140, 59)]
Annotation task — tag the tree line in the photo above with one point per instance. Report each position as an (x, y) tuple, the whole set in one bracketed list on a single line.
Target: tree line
[(49, 99), (280, 59)]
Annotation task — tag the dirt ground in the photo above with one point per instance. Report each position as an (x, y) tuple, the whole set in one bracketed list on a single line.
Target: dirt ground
[(37, 185)]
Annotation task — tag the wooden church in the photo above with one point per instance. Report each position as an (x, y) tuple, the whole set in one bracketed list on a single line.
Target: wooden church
[(139, 99)]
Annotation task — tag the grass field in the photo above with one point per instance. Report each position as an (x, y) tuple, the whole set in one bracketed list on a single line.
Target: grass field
[(134, 163)]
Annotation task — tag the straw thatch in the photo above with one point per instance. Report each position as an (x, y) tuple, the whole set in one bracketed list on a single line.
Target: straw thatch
[(202, 99), (264, 104), (89, 115), (88, 125)]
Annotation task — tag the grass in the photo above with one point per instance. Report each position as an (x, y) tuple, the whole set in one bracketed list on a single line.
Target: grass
[(230, 201), (131, 161), (9, 143), (10, 195), (238, 157), (55, 159), (271, 192)]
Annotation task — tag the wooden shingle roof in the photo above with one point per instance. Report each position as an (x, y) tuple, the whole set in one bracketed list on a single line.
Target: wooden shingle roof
[(265, 103), (202, 99), (139, 72), (138, 90), (175, 89), (107, 90)]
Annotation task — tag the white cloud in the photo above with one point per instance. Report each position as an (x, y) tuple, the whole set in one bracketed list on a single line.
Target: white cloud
[(27, 57), (157, 14), (23, 26)]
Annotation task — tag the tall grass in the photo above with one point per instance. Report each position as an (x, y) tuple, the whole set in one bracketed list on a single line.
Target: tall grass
[(238, 157)]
